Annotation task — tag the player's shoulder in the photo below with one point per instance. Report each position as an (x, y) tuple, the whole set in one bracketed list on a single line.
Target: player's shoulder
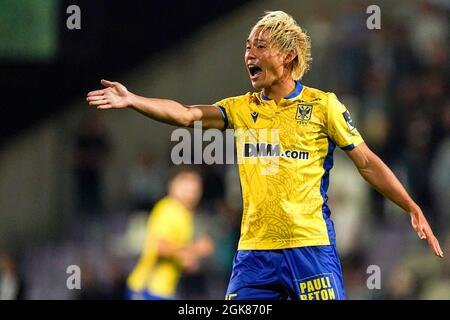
[(317, 96), (167, 206), (168, 211), (240, 99), (164, 201)]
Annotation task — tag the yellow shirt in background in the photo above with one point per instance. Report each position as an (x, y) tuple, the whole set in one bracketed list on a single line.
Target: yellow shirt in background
[(172, 222)]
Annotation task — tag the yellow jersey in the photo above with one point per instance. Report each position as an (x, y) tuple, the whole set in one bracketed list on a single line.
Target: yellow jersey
[(285, 154), (170, 221)]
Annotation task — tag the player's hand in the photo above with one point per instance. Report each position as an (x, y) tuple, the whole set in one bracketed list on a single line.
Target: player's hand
[(203, 246), (189, 261), (115, 95), (423, 229)]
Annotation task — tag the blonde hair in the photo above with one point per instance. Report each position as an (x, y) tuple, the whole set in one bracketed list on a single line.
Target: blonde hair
[(286, 34)]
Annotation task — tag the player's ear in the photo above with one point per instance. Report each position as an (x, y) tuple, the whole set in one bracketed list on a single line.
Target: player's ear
[(290, 56)]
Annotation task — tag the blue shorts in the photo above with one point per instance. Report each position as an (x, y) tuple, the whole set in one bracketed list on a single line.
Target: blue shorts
[(306, 273)]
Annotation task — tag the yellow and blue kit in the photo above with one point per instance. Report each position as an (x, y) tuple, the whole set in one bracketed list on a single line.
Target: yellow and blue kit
[(285, 154), (154, 277)]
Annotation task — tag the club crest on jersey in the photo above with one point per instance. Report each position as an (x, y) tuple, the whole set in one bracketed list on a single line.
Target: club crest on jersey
[(304, 112), (254, 116)]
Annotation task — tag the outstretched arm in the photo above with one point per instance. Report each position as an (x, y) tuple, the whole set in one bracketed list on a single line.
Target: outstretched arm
[(378, 174), (116, 96)]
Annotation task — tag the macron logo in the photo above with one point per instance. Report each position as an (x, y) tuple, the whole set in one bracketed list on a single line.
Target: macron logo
[(254, 116)]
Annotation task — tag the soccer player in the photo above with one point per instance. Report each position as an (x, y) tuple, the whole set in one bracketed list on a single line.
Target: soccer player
[(287, 248), (169, 249)]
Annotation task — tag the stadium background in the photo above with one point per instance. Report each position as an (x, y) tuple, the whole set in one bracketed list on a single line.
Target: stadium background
[(76, 184)]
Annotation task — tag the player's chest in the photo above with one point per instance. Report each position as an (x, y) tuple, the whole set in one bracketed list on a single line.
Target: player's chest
[(294, 123)]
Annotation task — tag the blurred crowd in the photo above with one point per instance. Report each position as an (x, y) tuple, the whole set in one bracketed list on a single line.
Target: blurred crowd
[(395, 82)]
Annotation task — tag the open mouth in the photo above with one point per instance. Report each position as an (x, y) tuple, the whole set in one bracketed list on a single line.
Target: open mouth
[(254, 70)]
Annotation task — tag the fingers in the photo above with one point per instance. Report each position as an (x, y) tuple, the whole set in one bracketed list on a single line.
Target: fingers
[(421, 233), (434, 245), (98, 102), (418, 227), (95, 98), (423, 229), (107, 83), (96, 93), (105, 106)]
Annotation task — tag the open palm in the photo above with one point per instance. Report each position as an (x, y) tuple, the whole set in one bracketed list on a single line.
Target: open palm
[(115, 95), (423, 229)]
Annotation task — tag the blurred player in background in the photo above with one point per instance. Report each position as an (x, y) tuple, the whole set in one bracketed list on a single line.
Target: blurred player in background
[(287, 247), (169, 248)]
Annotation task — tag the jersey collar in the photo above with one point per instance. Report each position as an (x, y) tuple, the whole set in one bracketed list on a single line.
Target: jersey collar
[(296, 93)]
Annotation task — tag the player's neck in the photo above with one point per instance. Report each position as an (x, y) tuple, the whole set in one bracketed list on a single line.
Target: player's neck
[(188, 205), (280, 89)]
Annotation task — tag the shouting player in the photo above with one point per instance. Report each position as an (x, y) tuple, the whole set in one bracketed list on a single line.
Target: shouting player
[(287, 248)]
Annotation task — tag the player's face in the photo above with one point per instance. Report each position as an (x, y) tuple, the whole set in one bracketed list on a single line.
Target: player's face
[(264, 61), (187, 188)]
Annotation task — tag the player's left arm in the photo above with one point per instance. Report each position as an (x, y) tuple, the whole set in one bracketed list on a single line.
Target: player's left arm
[(378, 174)]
